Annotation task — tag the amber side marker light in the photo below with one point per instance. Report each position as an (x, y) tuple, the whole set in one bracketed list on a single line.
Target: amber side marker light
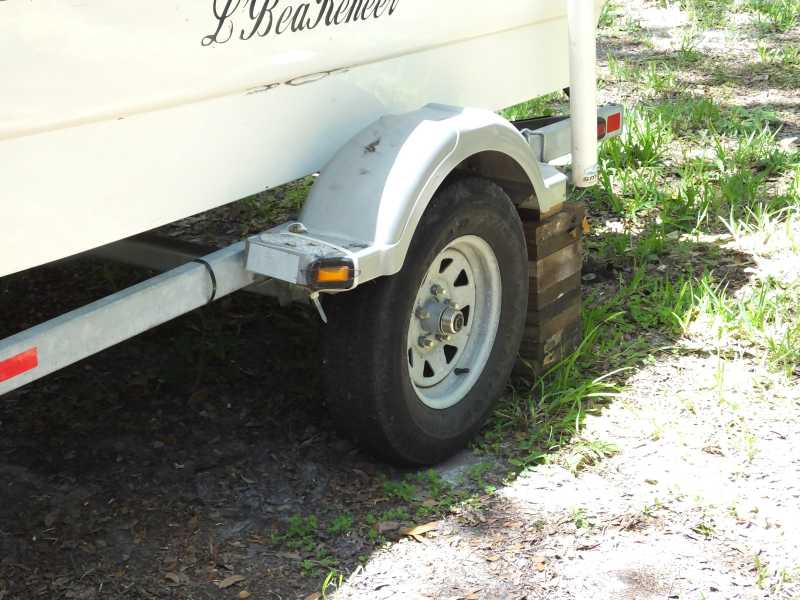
[(332, 274)]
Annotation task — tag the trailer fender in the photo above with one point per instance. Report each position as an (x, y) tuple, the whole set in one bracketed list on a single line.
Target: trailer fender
[(371, 195)]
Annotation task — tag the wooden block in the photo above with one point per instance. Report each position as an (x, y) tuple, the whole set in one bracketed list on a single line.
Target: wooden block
[(554, 244), (553, 309), (553, 329), (539, 299), (557, 267), (542, 331), (543, 356)]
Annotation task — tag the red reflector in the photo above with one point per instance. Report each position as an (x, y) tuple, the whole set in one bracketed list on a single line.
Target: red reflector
[(614, 123), (601, 129), (19, 364)]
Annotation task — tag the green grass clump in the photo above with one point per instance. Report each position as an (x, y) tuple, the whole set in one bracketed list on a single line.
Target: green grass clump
[(644, 144), (341, 525), (766, 318), (709, 13), (402, 490), (776, 15)]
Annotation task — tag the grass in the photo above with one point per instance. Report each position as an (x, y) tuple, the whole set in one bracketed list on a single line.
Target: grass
[(775, 15), (709, 14), (764, 321), (341, 525), (689, 167), (401, 490)]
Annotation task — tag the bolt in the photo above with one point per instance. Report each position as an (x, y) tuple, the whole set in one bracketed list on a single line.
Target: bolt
[(426, 343), (438, 290), (443, 338), (422, 314)]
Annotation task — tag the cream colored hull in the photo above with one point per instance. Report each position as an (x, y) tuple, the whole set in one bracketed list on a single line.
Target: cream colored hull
[(117, 117)]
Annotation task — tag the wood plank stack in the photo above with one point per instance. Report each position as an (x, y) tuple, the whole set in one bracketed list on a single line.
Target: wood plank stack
[(555, 258)]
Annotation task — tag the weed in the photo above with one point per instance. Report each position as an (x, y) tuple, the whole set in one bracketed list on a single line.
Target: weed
[(400, 515), (775, 15), (300, 533), (476, 473), (767, 318), (321, 562), (585, 453), (705, 527), (552, 412), (332, 582), (643, 145), (341, 525), (761, 568), (580, 519), (687, 52), (433, 481), (608, 14), (402, 490), (659, 78), (622, 70), (708, 13)]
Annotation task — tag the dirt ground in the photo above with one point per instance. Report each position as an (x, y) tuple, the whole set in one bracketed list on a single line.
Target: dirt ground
[(197, 462)]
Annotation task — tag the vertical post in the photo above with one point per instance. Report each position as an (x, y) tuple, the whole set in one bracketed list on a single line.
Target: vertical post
[(583, 90)]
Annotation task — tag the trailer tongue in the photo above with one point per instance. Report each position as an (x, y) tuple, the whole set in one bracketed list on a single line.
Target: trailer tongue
[(412, 245)]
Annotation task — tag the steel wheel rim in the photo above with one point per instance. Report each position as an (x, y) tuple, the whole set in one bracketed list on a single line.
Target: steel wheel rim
[(444, 360)]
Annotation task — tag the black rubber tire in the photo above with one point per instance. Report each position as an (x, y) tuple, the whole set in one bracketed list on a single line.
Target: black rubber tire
[(370, 394)]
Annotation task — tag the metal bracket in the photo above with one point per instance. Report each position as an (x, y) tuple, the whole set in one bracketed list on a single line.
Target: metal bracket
[(287, 252)]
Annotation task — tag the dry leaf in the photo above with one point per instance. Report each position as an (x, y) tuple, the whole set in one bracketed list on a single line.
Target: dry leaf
[(314, 596), (421, 529), (430, 503), (229, 581), (492, 558), (173, 577), (244, 594), (540, 562)]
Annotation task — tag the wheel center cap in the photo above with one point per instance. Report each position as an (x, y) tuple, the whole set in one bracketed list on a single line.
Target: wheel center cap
[(452, 321)]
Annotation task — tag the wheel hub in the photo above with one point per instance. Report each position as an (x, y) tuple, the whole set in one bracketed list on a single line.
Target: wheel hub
[(439, 320)]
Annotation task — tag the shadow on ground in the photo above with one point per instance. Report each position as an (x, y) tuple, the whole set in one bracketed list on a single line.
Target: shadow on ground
[(169, 464)]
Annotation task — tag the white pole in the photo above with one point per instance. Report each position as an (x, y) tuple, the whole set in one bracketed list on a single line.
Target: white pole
[(583, 90)]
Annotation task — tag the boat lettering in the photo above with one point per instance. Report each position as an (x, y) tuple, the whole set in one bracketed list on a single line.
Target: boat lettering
[(251, 18)]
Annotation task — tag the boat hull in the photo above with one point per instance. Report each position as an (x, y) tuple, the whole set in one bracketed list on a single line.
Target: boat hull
[(149, 128)]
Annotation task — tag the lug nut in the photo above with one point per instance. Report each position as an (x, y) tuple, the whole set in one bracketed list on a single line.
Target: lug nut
[(422, 314), (438, 290)]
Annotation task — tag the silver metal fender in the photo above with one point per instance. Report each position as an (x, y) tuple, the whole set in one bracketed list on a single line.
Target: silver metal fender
[(372, 194)]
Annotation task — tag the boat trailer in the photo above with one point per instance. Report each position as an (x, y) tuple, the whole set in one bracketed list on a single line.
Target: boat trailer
[(429, 214)]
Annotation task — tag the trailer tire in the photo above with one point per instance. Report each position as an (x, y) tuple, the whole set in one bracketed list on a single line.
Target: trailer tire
[(389, 338)]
